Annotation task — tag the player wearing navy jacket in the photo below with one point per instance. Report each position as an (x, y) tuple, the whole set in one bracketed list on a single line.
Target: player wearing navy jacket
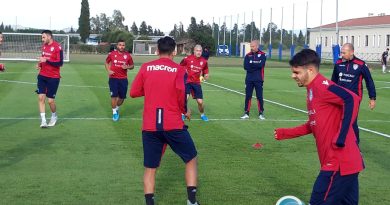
[(162, 83), (196, 67), (349, 72), (332, 110), (254, 63), (384, 57), (117, 63), (49, 76)]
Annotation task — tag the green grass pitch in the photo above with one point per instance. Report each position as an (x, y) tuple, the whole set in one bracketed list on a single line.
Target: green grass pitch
[(87, 159)]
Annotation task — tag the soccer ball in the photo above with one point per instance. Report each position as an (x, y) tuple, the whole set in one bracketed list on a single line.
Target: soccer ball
[(289, 200)]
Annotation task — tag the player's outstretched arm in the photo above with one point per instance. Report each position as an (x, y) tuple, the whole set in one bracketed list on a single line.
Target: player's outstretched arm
[(137, 87), (289, 133)]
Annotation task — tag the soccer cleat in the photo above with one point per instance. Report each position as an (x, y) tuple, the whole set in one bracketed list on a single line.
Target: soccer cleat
[(115, 117), (261, 117), (204, 118), (52, 122), (245, 117), (43, 124), (189, 203)]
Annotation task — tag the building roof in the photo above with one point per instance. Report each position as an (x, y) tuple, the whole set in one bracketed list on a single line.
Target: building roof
[(365, 21)]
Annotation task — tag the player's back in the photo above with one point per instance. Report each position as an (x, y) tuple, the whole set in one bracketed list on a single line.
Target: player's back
[(164, 91)]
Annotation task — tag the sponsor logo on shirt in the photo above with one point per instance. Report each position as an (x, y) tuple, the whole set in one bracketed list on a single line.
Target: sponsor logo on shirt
[(325, 82), (52, 48), (161, 68), (312, 112), (312, 123), (310, 95)]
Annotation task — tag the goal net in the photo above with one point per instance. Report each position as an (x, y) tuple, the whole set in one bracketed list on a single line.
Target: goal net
[(144, 47), (27, 46)]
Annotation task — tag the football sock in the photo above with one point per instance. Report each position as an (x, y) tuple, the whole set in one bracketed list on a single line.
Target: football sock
[(114, 111), (43, 116), (202, 114), (246, 112), (149, 199), (191, 191), (383, 68), (53, 114), (117, 108)]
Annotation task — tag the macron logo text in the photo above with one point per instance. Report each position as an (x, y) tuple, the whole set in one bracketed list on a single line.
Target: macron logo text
[(161, 67)]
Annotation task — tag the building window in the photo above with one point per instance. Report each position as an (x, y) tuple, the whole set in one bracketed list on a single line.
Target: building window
[(341, 40), (353, 40), (379, 41), (366, 41), (387, 40), (346, 39), (326, 41), (359, 41), (373, 40)]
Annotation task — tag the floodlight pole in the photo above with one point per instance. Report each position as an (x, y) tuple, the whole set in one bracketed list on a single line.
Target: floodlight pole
[(270, 29), (243, 38), (260, 26), (230, 39), (321, 24), (252, 27), (292, 32), (281, 29), (237, 47), (224, 34), (337, 22), (307, 8)]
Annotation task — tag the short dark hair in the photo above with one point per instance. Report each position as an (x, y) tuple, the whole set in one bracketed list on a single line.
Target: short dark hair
[(166, 45), (47, 32), (121, 41), (305, 57), (1, 32)]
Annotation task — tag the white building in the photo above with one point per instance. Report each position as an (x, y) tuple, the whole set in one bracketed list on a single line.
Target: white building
[(369, 35)]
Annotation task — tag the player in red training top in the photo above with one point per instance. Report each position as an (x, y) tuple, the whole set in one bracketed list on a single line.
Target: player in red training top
[(332, 111), (196, 67), (162, 83), (2, 67), (49, 76), (117, 63)]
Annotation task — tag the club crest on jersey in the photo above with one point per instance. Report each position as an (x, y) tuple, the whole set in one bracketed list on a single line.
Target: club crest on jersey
[(201, 63), (192, 66), (125, 56), (115, 61), (52, 49), (355, 66), (192, 61), (250, 61), (258, 55), (310, 95), (340, 74)]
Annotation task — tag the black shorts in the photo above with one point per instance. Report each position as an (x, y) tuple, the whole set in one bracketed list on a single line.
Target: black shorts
[(331, 188), (48, 86), (118, 87), (155, 142), (195, 90)]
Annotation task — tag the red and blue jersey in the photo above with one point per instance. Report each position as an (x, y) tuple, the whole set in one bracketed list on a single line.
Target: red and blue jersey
[(332, 110), (350, 73), (162, 83), (117, 60), (55, 59), (254, 63), (195, 68)]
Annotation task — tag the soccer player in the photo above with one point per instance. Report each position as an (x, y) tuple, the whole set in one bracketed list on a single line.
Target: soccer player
[(384, 60), (206, 53), (254, 63), (332, 110), (2, 67), (349, 72), (196, 67), (49, 76), (117, 63), (162, 83)]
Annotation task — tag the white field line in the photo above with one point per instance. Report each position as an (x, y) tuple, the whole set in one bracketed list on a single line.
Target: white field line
[(293, 108), (61, 85)]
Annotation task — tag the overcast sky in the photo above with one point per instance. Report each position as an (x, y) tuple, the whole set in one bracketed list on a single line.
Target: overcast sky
[(60, 14)]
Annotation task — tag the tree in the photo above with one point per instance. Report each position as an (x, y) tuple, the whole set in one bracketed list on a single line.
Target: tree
[(2, 27), (117, 20), (143, 28), (84, 24), (175, 32), (96, 25), (150, 30), (134, 29), (201, 34), (72, 30)]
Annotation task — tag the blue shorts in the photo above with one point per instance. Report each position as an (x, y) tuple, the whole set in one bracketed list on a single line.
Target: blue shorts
[(48, 86), (154, 144), (331, 188), (118, 87), (195, 90)]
